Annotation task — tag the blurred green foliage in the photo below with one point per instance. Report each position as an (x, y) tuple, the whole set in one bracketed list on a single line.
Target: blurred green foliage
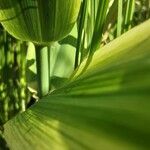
[(12, 76), (13, 89)]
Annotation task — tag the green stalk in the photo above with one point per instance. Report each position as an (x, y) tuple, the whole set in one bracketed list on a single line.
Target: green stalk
[(42, 70), (49, 65), (129, 14), (82, 21), (99, 25), (23, 48), (6, 108), (119, 20), (5, 104), (148, 9)]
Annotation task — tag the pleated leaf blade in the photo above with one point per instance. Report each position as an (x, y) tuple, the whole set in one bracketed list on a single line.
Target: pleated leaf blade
[(37, 21), (105, 106)]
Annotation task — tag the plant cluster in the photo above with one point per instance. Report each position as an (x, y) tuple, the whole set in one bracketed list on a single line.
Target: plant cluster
[(88, 72)]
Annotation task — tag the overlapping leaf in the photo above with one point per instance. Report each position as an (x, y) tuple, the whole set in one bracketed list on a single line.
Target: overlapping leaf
[(105, 105), (33, 20)]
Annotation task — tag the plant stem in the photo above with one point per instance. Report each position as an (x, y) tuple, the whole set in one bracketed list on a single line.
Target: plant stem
[(42, 70), (119, 20), (23, 52), (129, 14), (101, 13), (49, 65), (81, 25)]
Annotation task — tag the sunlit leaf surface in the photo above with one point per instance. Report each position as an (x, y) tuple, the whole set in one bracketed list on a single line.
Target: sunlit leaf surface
[(105, 106)]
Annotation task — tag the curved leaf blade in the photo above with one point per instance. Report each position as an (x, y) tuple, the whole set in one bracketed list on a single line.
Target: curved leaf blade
[(106, 107)]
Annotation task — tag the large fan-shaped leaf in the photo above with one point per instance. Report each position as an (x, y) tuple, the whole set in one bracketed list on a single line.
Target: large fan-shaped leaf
[(104, 107)]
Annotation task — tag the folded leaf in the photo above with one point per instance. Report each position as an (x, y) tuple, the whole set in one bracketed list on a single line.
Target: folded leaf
[(105, 106), (33, 20)]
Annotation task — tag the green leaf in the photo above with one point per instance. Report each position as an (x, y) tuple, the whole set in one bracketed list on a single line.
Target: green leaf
[(33, 20), (104, 107)]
